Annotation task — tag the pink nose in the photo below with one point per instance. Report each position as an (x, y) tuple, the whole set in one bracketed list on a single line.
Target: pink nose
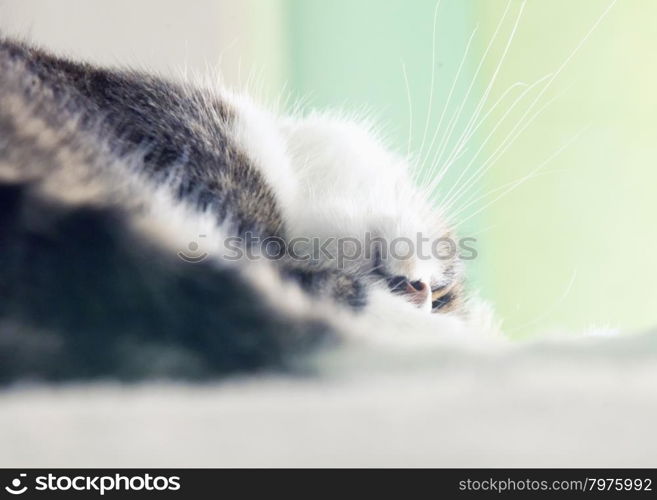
[(417, 292)]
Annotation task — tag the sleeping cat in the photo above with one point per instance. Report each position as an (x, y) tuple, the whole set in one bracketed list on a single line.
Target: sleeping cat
[(156, 228)]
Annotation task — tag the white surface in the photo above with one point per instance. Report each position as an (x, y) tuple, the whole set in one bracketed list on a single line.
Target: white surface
[(586, 403), (166, 36)]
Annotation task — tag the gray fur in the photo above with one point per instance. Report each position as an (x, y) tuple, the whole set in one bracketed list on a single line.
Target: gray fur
[(82, 294)]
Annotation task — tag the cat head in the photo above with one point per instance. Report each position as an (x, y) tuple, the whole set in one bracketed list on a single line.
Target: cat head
[(358, 204)]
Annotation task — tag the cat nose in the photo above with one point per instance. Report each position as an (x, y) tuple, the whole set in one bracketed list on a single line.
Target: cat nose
[(417, 291)]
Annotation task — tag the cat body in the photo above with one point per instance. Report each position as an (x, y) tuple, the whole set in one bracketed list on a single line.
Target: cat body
[(120, 192)]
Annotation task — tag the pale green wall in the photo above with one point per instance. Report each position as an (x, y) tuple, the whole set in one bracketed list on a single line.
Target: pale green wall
[(573, 247), (576, 247)]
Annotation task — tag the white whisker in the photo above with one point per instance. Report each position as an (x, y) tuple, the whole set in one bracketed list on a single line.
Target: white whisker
[(410, 111), (524, 178), (562, 66), (476, 197), (457, 114), (457, 184), (448, 100), (438, 176), (433, 75), (482, 102), (457, 190)]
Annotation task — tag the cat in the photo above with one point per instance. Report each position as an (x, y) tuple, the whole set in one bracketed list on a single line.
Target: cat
[(154, 228)]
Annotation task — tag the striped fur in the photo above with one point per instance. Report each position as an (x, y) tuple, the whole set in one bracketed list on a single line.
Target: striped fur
[(105, 176)]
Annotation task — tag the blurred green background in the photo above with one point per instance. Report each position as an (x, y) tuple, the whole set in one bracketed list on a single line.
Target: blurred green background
[(569, 248)]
